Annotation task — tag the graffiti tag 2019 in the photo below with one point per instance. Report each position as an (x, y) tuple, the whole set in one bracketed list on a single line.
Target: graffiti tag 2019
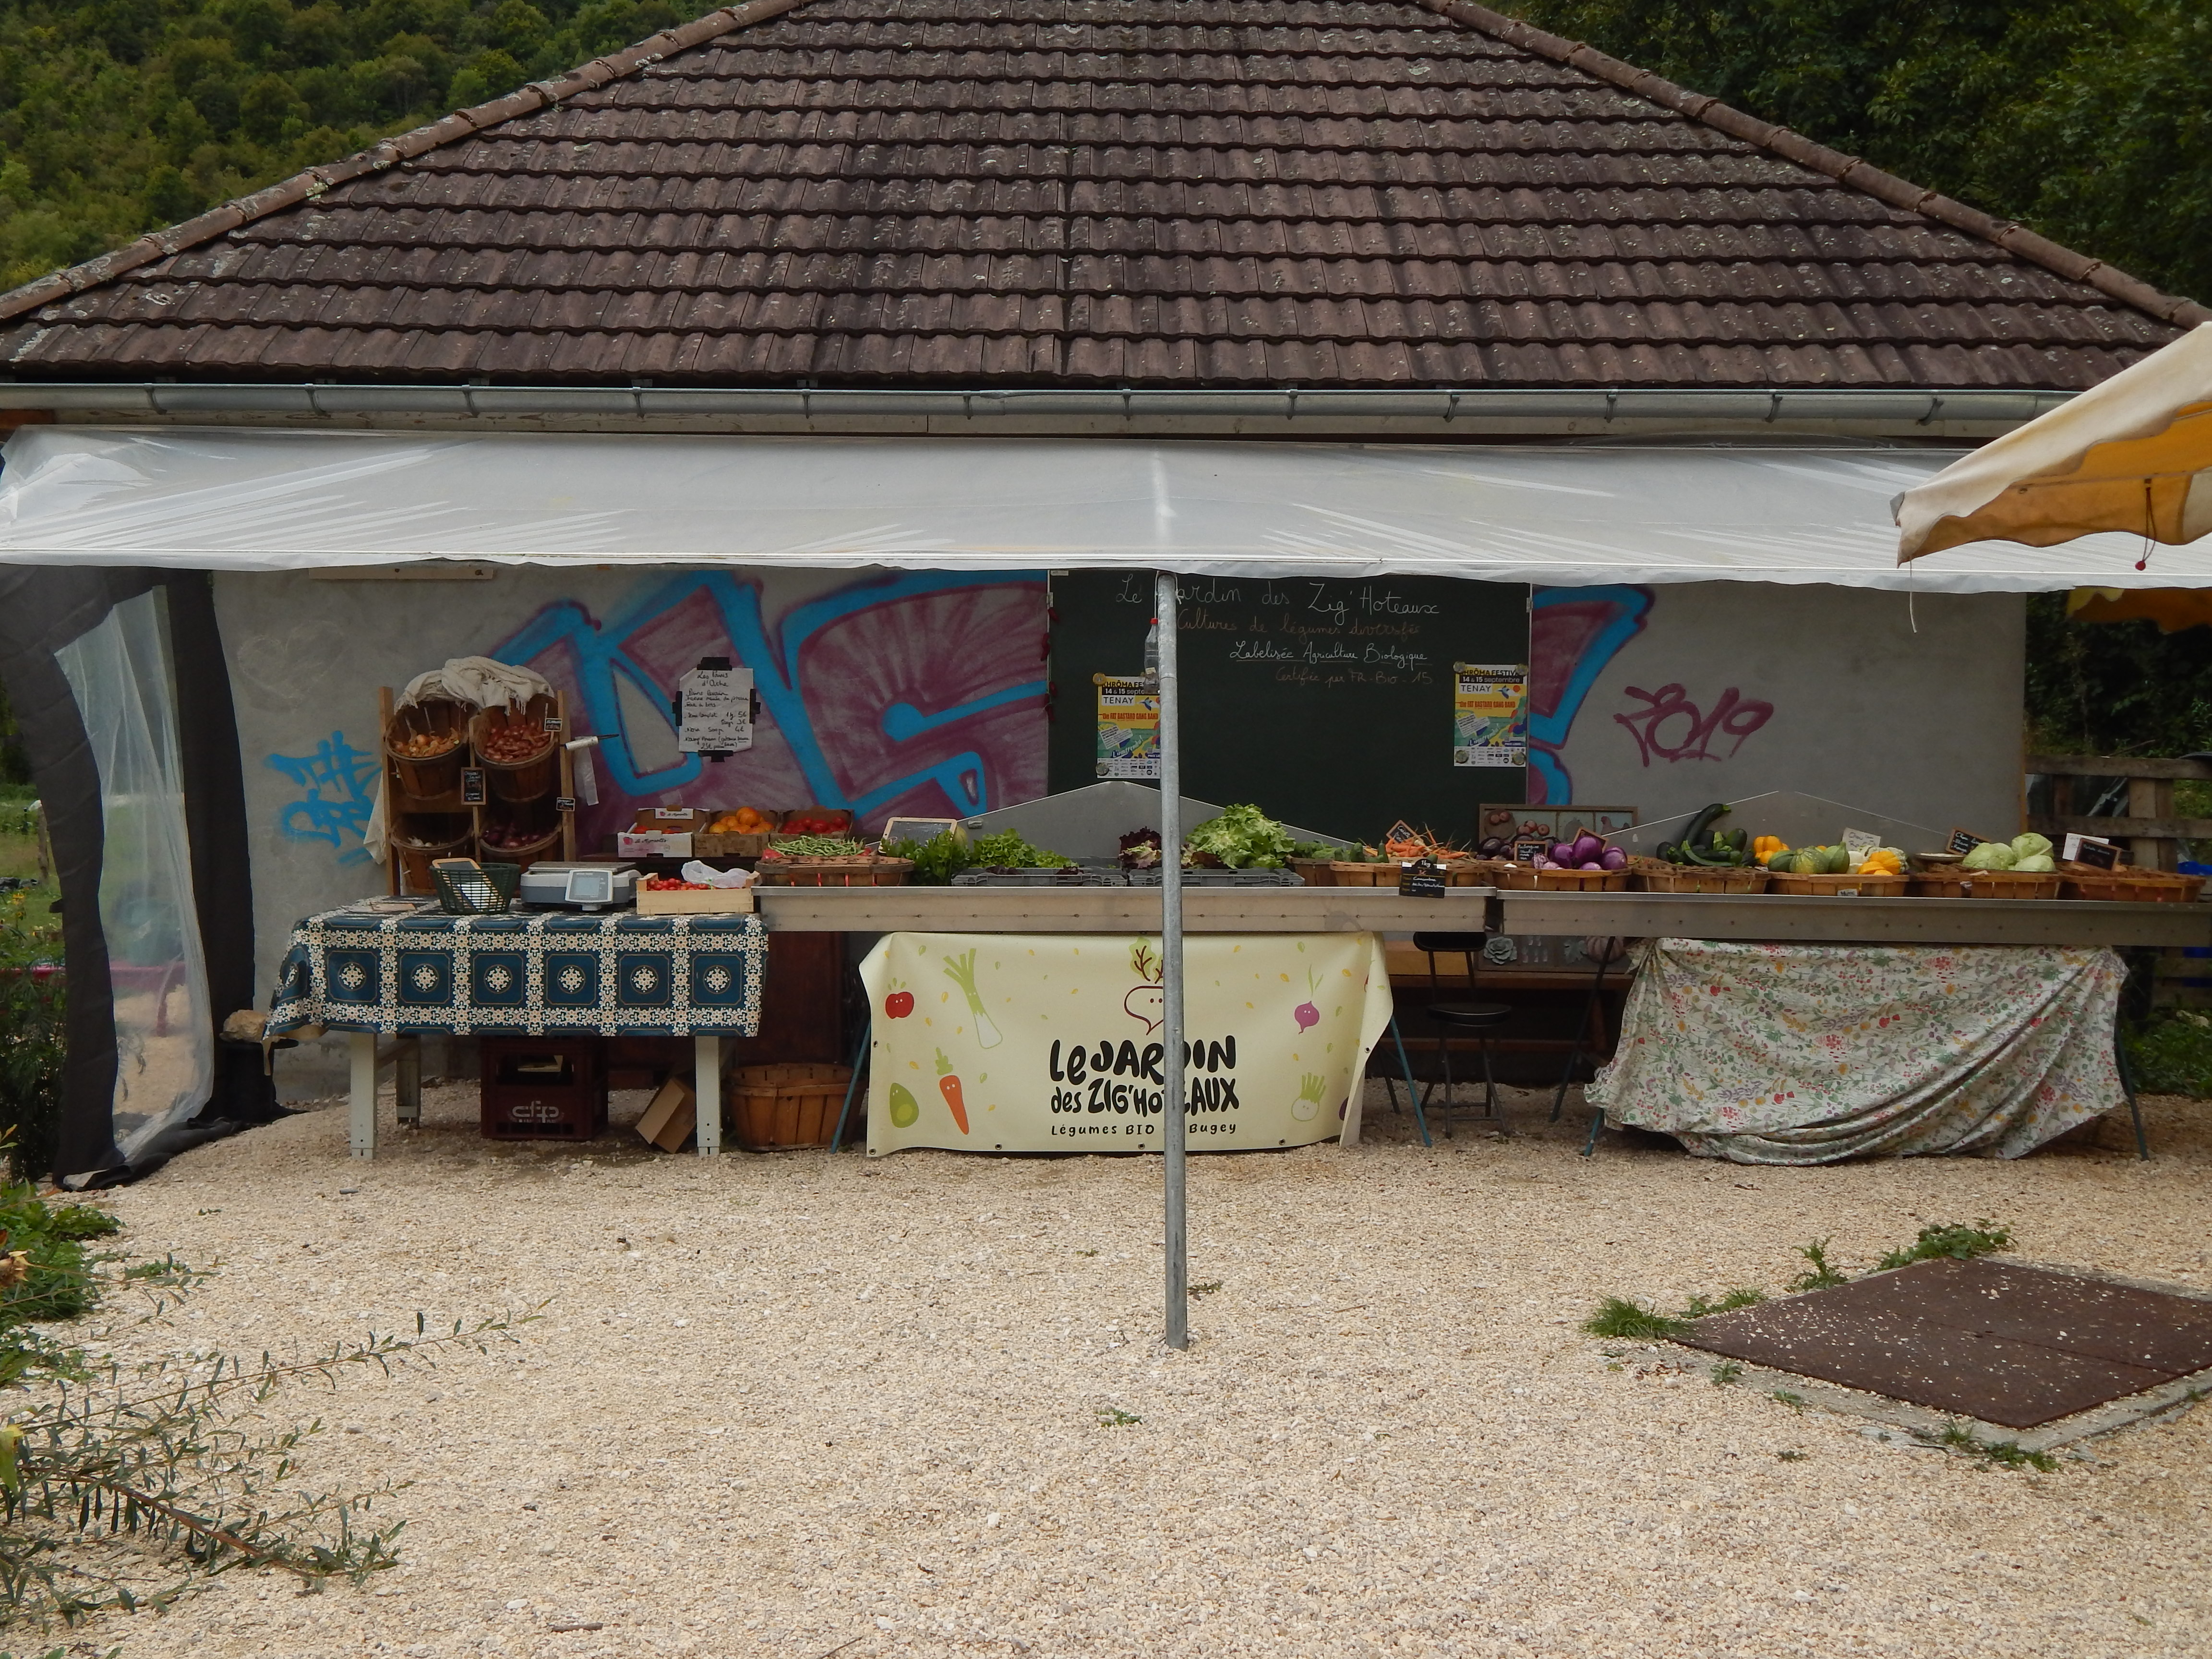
[(1733, 715), (1574, 634)]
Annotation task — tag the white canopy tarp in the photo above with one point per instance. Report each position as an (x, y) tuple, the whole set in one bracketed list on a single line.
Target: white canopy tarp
[(243, 499)]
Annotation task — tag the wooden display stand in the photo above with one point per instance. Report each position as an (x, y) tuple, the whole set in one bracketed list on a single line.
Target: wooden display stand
[(466, 798)]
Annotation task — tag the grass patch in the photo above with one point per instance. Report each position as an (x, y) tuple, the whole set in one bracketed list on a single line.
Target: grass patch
[(1112, 1417), (1790, 1455), (1726, 1372), (1991, 1454), (1729, 1301), (1632, 1322), (1206, 1289), (1822, 1274), (1784, 1397), (1954, 1239)]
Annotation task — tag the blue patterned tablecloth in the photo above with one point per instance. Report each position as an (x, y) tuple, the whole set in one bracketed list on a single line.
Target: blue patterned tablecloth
[(619, 975)]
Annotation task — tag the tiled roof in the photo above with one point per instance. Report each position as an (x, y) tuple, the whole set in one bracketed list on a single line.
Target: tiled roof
[(1105, 192)]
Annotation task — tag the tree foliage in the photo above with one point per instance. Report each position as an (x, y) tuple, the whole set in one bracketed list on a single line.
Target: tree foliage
[(121, 116), (2115, 688), (2089, 120)]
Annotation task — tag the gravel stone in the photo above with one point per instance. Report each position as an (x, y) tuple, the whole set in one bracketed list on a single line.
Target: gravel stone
[(793, 1404)]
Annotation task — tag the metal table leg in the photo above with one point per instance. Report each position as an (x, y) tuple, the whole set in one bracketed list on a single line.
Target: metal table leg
[(1405, 1065), (407, 1078), (361, 1095), (860, 1053), (706, 1086), (2128, 1088)]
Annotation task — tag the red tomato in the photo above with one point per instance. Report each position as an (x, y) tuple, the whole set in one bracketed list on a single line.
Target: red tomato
[(899, 1004)]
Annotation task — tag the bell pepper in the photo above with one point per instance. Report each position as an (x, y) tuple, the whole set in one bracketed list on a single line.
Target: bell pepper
[(1765, 846)]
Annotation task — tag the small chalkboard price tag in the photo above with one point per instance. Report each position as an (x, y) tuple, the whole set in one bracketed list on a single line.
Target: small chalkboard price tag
[(2097, 854), (473, 787), (553, 724), (1962, 841), (564, 803), (1422, 878), (1527, 851)]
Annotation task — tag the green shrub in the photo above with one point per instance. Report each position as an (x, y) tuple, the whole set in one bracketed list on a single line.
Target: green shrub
[(32, 1010), (2172, 1056)]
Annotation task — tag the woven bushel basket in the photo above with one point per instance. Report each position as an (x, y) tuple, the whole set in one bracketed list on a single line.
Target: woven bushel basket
[(777, 1109)]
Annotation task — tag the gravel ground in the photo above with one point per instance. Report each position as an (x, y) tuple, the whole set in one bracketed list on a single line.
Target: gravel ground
[(788, 1405)]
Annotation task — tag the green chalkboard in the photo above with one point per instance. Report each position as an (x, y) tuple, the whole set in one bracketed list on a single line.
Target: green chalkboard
[(1328, 703)]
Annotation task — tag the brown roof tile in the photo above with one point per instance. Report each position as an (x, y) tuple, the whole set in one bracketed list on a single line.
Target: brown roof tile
[(1156, 192)]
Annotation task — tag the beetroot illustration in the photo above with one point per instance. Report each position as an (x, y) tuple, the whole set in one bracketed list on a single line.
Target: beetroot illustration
[(1305, 1014)]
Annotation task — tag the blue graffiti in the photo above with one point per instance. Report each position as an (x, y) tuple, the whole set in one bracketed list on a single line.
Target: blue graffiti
[(602, 663), (340, 784), (1548, 728)]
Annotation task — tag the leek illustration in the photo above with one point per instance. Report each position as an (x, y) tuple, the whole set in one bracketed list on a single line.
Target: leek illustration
[(961, 970), (1311, 1086)]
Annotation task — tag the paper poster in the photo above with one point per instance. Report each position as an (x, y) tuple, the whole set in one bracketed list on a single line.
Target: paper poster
[(1490, 714), (1128, 727), (718, 710), (1016, 1043)]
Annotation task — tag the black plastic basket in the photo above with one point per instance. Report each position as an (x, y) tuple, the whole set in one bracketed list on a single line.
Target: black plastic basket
[(1074, 875), (483, 890), (1206, 877)]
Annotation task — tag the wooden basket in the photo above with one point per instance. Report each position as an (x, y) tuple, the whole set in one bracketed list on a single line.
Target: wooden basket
[(1507, 876), (1583, 881), (776, 1109), (416, 857), (2128, 885), (1837, 886), (1656, 876), (833, 873), (1315, 873), (436, 776), (1465, 872), (518, 780), (1954, 883), (547, 846), (1343, 873)]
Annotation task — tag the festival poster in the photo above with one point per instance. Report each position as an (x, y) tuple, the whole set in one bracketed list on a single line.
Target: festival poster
[(1490, 714), (1128, 727), (1017, 1042)]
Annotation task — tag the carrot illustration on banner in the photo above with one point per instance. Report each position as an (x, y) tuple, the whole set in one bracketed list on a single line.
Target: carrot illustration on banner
[(961, 970), (949, 1086)]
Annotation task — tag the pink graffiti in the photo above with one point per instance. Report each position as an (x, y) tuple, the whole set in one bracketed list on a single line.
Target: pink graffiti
[(1734, 716)]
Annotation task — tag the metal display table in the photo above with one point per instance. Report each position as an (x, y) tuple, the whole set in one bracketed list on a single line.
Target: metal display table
[(1481, 909)]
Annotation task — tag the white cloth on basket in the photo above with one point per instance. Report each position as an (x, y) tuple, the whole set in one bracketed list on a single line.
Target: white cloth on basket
[(479, 681)]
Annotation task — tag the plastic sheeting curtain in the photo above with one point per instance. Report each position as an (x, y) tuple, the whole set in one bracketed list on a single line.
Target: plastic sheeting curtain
[(123, 677)]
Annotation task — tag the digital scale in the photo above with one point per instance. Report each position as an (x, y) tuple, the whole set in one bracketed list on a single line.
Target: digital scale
[(578, 886)]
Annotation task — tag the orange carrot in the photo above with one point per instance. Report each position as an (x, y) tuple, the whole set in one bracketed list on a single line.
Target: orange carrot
[(949, 1086)]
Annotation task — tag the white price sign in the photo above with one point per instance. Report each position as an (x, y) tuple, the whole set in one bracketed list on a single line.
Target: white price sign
[(718, 710)]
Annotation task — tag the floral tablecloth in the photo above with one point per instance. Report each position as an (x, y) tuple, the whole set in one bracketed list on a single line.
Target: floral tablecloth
[(1806, 1054), (618, 975)]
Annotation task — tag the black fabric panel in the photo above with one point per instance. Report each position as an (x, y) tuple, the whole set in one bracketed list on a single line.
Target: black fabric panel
[(215, 817), (43, 608)]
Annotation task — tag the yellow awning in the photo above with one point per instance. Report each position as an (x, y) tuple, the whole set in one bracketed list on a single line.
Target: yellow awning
[(2131, 455)]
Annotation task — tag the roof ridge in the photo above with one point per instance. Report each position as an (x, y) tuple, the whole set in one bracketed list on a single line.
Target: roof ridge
[(388, 153), (2009, 234)]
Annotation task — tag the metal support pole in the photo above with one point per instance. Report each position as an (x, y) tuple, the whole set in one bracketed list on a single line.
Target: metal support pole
[(1171, 1118)]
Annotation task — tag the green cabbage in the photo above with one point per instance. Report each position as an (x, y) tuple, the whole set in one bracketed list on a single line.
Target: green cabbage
[(1990, 855), (2036, 863), (2030, 846)]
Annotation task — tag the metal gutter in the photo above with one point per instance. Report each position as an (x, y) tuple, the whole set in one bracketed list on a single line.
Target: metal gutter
[(1869, 411)]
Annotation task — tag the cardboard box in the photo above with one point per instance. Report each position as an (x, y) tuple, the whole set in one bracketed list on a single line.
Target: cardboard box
[(672, 1116), (674, 820), (651, 844)]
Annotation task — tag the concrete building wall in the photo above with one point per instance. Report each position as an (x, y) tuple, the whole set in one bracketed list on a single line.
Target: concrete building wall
[(1665, 698)]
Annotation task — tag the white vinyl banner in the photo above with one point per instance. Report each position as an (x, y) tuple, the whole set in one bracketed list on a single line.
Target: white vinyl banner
[(1021, 1043)]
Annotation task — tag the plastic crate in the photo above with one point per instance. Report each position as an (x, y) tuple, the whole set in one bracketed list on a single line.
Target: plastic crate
[(541, 1088), (1230, 878), (1076, 877), (485, 890)]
